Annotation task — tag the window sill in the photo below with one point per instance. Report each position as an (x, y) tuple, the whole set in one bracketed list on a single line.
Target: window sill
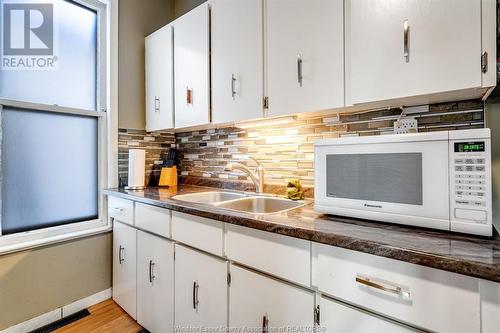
[(43, 237)]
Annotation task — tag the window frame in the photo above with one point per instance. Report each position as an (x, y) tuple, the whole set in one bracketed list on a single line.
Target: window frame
[(106, 115)]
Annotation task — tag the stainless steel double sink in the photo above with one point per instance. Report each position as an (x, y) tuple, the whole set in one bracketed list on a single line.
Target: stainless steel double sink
[(242, 202)]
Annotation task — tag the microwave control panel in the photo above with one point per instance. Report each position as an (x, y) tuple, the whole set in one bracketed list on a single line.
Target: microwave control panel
[(470, 192)]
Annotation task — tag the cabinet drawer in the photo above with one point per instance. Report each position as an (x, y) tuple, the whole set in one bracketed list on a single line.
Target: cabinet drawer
[(422, 296), (121, 209), (340, 318), (153, 219), (278, 255), (201, 233)]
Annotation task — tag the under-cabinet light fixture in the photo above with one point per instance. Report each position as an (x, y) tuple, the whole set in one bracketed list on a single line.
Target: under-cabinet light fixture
[(267, 122)]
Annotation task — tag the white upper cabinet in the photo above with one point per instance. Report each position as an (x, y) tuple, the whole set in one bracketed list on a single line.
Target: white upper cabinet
[(191, 68), (305, 55), (413, 47), (159, 84), (237, 60)]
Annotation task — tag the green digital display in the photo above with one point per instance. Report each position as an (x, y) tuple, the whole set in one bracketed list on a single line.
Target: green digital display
[(466, 147)]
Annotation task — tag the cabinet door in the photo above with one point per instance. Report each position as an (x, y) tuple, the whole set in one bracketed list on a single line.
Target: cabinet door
[(191, 54), (124, 267), (340, 318), (305, 55), (256, 301), (200, 289), (237, 60), (490, 306), (159, 75), (155, 283), (436, 60)]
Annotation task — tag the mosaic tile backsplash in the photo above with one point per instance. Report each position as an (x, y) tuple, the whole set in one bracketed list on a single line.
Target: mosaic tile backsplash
[(155, 143), (286, 151)]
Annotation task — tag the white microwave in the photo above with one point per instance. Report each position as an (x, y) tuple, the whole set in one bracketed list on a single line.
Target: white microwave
[(438, 180)]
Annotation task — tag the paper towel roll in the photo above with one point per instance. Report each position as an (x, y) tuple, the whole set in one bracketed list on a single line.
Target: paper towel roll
[(136, 168)]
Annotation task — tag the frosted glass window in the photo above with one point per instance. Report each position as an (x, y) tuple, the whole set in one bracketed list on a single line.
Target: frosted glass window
[(73, 80), (49, 169)]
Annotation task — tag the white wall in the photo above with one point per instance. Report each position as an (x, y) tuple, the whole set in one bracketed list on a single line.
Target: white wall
[(137, 19)]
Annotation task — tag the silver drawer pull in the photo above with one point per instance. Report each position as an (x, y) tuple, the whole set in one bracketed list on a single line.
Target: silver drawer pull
[(233, 86), (157, 104), (119, 209), (265, 324), (384, 286), (299, 70), (406, 47), (151, 274), (120, 256), (196, 301)]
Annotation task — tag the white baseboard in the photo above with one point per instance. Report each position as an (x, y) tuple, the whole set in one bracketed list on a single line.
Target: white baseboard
[(34, 323), (59, 313), (86, 302)]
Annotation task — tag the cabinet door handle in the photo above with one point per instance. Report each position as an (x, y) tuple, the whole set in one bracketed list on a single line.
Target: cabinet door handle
[(120, 257), (265, 324), (406, 47), (233, 86), (383, 285), (157, 104), (299, 70), (151, 274), (196, 301), (119, 209), (189, 96)]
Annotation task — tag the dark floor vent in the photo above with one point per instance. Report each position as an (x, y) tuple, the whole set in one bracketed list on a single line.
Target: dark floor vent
[(62, 322), (144, 331)]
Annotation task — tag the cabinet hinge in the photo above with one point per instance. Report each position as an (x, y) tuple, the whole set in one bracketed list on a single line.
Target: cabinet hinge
[(317, 315), (484, 62), (266, 102), (228, 279)]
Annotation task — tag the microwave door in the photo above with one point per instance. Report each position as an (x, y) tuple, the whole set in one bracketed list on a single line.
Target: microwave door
[(397, 182), (390, 178)]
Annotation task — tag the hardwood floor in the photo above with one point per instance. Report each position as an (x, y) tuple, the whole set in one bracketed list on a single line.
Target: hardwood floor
[(104, 317)]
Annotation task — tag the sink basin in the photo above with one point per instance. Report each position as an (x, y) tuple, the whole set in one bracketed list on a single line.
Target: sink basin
[(261, 205), (208, 197)]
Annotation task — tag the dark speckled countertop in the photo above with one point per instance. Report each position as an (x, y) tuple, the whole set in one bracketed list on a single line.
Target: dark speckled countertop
[(469, 255)]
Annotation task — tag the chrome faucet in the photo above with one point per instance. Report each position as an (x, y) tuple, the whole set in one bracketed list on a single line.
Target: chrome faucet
[(257, 177)]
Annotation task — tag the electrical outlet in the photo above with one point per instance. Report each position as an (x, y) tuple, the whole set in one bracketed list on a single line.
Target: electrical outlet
[(406, 125)]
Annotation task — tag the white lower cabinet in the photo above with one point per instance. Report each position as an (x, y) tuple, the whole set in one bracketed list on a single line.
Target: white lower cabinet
[(339, 318), (124, 267), (490, 306), (155, 282), (168, 286), (200, 290), (433, 299), (260, 302)]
